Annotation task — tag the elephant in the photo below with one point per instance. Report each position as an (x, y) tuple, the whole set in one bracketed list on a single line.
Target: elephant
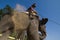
[(10, 23), (21, 22)]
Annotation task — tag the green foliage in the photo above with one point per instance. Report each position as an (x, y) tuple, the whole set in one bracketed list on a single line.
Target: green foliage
[(6, 9), (1, 11)]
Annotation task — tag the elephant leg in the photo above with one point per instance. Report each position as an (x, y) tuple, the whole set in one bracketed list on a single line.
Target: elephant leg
[(23, 36), (32, 30), (20, 35)]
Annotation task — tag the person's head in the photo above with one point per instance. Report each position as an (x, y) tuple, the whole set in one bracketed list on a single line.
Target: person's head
[(34, 5)]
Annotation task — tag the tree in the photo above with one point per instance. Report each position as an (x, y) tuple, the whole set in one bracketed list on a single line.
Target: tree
[(1, 12), (7, 9)]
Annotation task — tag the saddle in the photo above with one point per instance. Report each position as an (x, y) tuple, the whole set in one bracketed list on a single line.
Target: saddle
[(32, 15)]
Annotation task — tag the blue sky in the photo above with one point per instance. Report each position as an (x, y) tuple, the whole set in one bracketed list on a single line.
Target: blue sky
[(45, 8)]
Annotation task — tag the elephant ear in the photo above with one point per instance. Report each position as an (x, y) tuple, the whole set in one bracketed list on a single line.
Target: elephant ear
[(43, 21)]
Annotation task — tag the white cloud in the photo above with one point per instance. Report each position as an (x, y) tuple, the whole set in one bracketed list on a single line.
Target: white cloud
[(20, 8)]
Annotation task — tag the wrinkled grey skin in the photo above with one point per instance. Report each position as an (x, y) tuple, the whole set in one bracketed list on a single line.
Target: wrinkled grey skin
[(7, 23), (21, 22)]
